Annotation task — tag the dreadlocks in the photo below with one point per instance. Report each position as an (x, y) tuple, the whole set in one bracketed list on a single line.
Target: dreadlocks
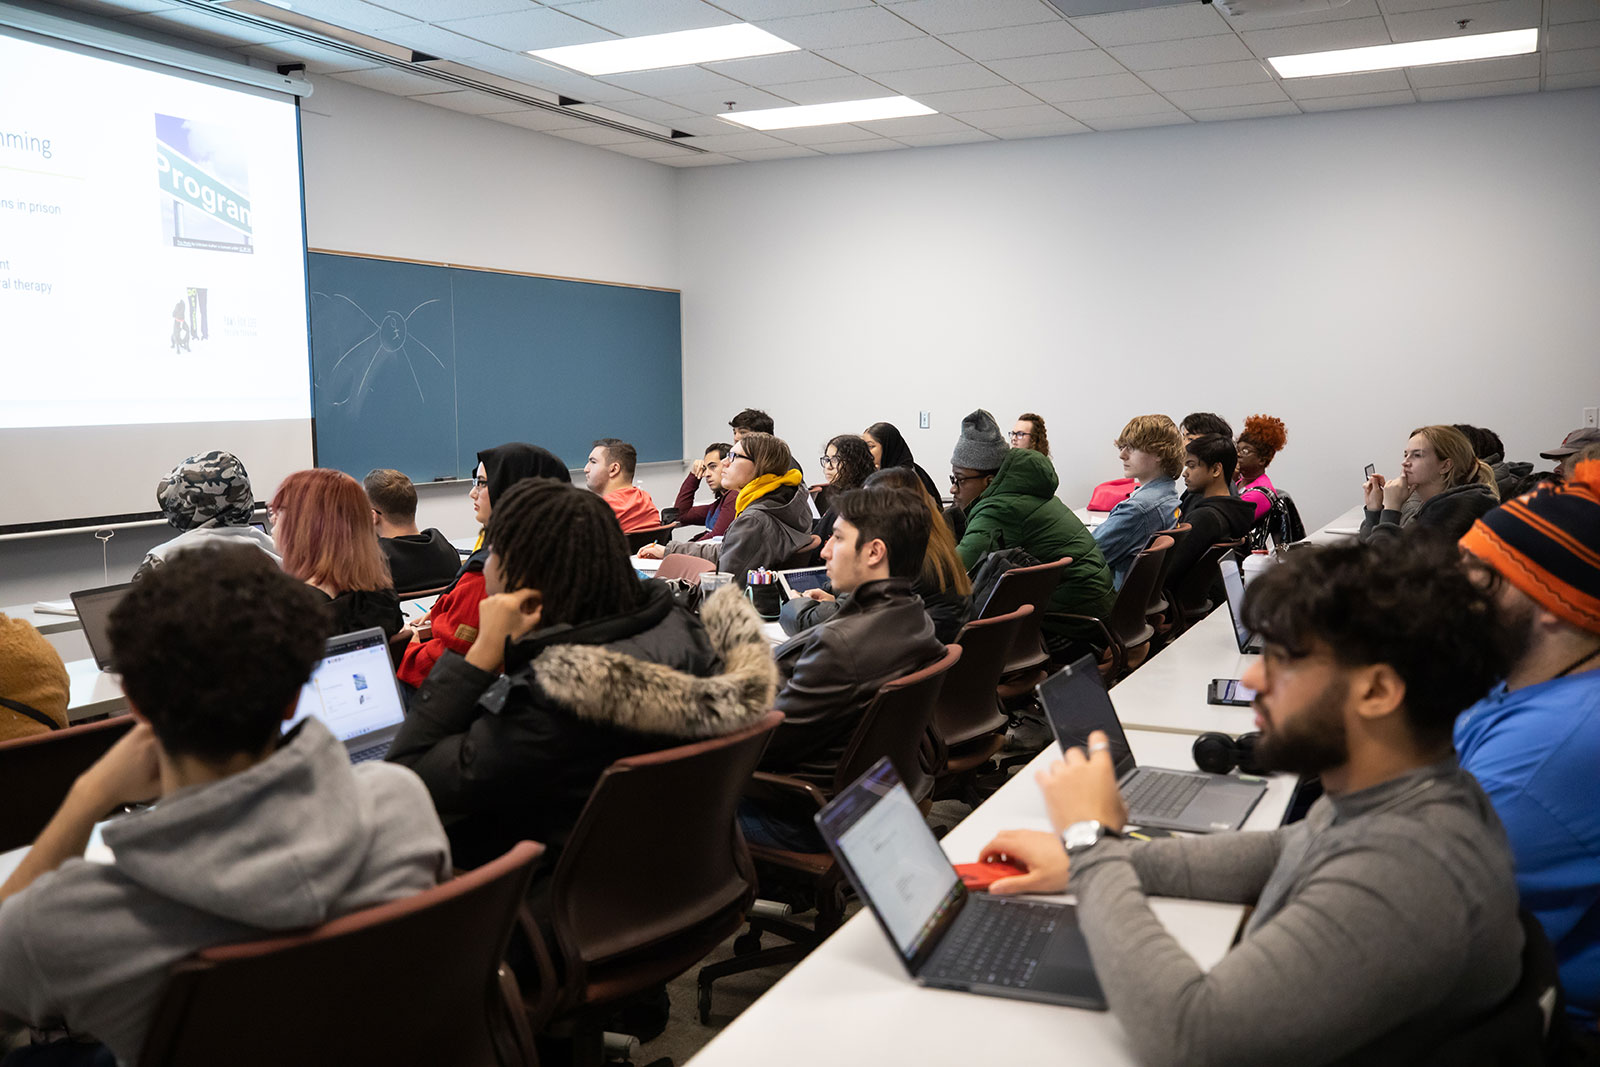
[(565, 543)]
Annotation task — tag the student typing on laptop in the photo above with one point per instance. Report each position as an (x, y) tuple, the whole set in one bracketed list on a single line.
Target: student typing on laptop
[(1383, 921), (254, 834)]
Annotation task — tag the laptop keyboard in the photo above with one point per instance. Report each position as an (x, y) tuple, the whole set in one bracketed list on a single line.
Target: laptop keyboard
[(367, 754), (1161, 796), (999, 945)]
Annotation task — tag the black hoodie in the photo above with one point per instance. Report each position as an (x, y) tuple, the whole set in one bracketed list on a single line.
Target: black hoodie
[(1212, 519)]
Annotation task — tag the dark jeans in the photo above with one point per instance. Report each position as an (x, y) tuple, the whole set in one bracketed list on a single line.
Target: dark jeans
[(768, 828)]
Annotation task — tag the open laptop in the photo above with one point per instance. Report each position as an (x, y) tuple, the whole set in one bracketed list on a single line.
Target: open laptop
[(94, 611), (947, 937), (1076, 703), (796, 582), (1233, 583), (353, 692)]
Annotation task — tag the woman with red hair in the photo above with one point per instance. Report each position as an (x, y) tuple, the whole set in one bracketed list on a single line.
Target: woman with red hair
[(322, 524), (1263, 437)]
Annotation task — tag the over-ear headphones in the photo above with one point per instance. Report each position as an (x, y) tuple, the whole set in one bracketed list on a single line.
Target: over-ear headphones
[(1219, 753)]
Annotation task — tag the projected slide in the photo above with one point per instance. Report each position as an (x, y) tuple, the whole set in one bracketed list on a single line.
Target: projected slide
[(151, 257)]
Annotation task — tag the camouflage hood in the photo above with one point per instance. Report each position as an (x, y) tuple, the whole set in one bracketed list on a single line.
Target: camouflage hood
[(208, 490)]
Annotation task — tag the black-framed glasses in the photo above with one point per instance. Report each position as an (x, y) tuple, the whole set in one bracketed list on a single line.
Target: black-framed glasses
[(732, 456), (956, 480), (480, 483), (1020, 435), (828, 462)]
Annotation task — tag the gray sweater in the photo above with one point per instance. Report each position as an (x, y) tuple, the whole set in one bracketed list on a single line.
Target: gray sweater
[(296, 840), (1383, 920)]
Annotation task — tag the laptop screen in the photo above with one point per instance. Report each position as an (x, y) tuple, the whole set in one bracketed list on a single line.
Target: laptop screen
[(894, 860), (94, 612), (352, 690), (1077, 704), (1233, 582)]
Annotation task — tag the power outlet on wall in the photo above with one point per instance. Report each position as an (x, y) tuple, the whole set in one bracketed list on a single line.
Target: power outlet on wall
[(922, 419), (1591, 417)]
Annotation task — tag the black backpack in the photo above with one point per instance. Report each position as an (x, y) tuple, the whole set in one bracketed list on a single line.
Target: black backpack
[(986, 575), (1281, 523)]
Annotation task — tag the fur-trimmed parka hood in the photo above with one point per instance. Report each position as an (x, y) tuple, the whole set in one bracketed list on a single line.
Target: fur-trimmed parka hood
[(603, 684)]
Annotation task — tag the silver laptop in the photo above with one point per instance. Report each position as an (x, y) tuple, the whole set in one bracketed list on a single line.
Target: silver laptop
[(1233, 582), (796, 582), (353, 692), (94, 611), (1076, 703), (946, 936)]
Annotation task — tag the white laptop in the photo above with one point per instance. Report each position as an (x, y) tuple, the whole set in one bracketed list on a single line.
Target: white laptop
[(353, 692), (796, 582)]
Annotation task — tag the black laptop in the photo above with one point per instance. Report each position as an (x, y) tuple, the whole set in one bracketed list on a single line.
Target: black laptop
[(947, 937), (1233, 583), (94, 612), (1076, 704)]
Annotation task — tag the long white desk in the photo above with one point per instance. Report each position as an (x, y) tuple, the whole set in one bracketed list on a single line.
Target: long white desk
[(92, 691), (851, 1001), (43, 621)]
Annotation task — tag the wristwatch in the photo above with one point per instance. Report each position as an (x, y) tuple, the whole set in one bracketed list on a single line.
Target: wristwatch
[(1081, 836)]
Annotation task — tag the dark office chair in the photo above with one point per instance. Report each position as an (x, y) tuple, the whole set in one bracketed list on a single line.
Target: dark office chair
[(651, 535), (1195, 592), (683, 566), (416, 980), (1159, 611), (968, 718), (1128, 631), (1027, 661), (895, 725), (36, 771)]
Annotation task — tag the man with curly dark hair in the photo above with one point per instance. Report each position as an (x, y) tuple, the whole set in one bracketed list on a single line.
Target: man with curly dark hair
[(258, 832), (1387, 918)]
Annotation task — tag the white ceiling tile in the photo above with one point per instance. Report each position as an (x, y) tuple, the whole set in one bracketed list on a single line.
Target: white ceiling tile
[(597, 135), (813, 135), (1348, 103), (1573, 35), (894, 55), (351, 14), (845, 148), (1051, 129), (1136, 122), (831, 90), (773, 9), (1396, 7), (1572, 81), (940, 79), (704, 126), (630, 18), (1034, 115), (1324, 37), (1245, 111), (977, 99), (674, 81), (658, 111), (389, 80), (1462, 92), (440, 10), (1190, 53), (438, 41), (1356, 9), (746, 99), (204, 28), (317, 60), (651, 150), (792, 151), (934, 140), (1378, 81), (731, 142), (116, 8), (1114, 106), (1207, 76), (1063, 92), (1570, 10), (710, 159), (1479, 70), (1572, 61), (541, 120), (840, 29), (526, 70), (1485, 18), (955, 16), (779, 69), (915, 125), (1143, 26), (519, 31), (1084, 64), (1227, 96), (1014, 42), (469, 103)]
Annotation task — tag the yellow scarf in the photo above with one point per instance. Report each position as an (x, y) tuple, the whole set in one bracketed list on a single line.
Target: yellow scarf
[(756, 488)]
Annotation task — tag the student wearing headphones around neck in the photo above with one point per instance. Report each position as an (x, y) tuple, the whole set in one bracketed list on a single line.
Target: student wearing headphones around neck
[(1384, 921)]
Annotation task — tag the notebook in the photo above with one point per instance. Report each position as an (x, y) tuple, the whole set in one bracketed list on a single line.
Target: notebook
[(1233, 582), (353, 691), (947, 937), (94, 611), (1076, 704)]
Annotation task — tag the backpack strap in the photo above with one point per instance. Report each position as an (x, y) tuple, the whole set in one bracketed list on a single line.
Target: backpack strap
[(24, 710)]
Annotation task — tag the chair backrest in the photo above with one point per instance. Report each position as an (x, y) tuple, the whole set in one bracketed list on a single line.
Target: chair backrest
[(1025, 585), (1518, 1029), (1127, 623), (1179, 534), (656, 853), (968, 705), (411, 981), (433, 590), (36, 771), (684, 566), (1192, 589), (651, 535), (894, 725)]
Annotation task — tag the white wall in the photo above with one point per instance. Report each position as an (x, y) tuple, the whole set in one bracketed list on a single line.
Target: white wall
[(1355, 273)]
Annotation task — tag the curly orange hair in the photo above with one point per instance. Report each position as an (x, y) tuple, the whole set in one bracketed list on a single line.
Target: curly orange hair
[(1267, 433)]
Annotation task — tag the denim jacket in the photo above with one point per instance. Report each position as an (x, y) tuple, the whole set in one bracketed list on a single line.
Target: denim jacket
[(1128, 528)]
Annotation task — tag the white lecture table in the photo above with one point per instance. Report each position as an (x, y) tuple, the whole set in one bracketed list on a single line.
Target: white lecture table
[(92, 692), (43, 621), (852, 1002)]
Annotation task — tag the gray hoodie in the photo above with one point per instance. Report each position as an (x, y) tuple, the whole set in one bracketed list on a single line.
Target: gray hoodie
[(765, 534), (294, 841)]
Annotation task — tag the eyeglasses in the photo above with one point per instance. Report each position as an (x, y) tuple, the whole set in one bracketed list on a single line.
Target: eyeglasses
[(1020, 435), (733, 456), (480, 483), (957, 479), (828, 462)]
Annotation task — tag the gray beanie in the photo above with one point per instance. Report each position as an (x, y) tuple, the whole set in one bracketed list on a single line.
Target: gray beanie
[(980, 446)]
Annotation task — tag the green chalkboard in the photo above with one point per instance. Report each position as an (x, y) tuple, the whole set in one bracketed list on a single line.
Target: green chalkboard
[(418, 367)]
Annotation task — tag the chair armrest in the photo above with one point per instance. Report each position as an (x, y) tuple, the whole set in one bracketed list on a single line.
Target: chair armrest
[(784, 791), (1098, 623), (542, 1004)]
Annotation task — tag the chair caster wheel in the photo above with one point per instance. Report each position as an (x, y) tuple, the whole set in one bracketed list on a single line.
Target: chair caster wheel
[(705, 1005)]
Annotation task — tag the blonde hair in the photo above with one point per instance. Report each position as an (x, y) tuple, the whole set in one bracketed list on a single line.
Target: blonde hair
[(1157, 435), (1451, 444)]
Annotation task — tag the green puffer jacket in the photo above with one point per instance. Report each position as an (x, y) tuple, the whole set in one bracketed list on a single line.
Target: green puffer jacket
[(1019, 509)]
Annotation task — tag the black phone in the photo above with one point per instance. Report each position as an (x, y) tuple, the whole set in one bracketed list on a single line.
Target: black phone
[(1372, 469), (1228, 691)]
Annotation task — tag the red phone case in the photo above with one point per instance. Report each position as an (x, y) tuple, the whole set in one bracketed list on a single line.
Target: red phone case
[(980, 876)]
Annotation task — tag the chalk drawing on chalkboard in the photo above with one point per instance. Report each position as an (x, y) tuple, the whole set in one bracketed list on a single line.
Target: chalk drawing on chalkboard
[(389, 336)]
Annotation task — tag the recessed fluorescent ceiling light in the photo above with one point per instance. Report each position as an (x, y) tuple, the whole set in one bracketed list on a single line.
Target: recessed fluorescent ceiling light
[(785, 118), (739, 41), (1410, 54)]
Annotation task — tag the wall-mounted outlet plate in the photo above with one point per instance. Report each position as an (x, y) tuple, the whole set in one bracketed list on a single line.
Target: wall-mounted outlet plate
[(1591, 416), (922, 419)]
